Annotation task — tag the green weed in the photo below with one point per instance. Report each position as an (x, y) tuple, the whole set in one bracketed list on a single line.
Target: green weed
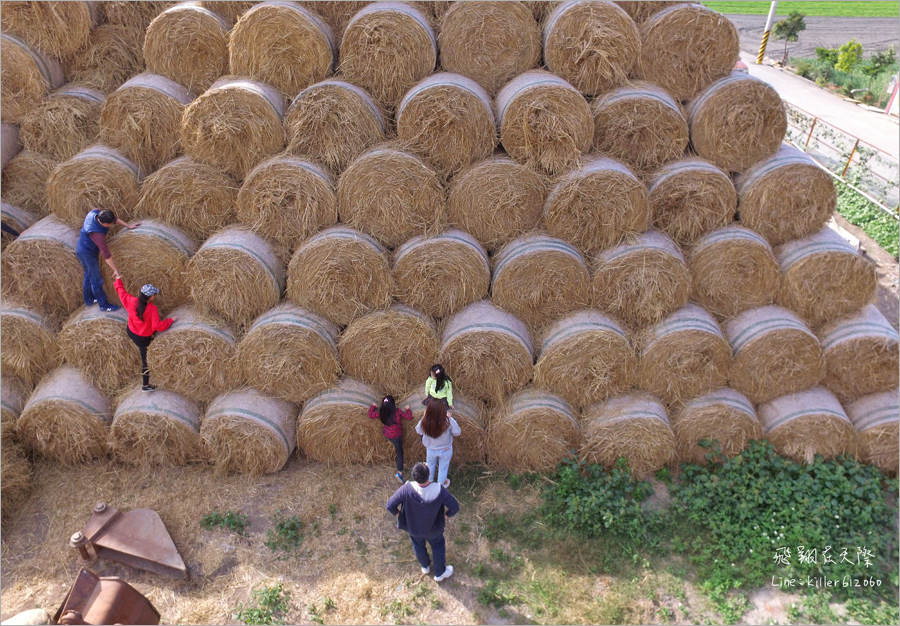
[(235, 522), (286, 535), (271, 606)]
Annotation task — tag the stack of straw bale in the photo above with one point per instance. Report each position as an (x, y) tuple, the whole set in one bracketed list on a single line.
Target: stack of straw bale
[(12, 143), (15, 468), (723, 416), (231, 10), (875, 418), (26, 76), (97, 343), (469, 448), (13, 395), (137, 14), (29, 342), (162, 428), (336, 13), (55, 28), (65, 123), (17, 219), (111, 56), (24, 181), (641, 10)]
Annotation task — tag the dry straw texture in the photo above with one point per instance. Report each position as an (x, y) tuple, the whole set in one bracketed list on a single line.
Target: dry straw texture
[(633, 426), (336, 13), (875, 419), (231, 10), (724, 416), (685, 48), (488, 352), (468, 448), (733, 269), (640, 10), (442, 274), (17, 219), (774, 354), (16, 471), (111, 56), (55, 28), (597, 206), (65, 123), (25, 78), (12, 143), (29, 343), (641, 282), (137, 14), (585, 358), (24, 182), (161, 428), (340, 274), (97, 343), (290, 353), (332, 122), (13, 394), (246, 432), (66, 418), (808, 423)]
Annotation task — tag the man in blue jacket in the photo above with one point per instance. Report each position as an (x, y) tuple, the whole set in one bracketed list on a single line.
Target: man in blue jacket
[(92, 241), (420, 505)]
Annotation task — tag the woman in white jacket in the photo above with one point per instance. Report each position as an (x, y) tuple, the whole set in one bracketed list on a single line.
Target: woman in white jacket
[(438, 430)]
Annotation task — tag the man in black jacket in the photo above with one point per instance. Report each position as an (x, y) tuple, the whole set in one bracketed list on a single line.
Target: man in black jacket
[(420, 504)]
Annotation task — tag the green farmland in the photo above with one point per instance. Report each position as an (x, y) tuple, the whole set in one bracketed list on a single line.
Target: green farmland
[(825, 9)]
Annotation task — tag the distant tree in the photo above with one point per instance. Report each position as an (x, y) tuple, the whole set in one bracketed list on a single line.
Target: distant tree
[(789, 30), (849, 56), (829, 55), (881, 60)]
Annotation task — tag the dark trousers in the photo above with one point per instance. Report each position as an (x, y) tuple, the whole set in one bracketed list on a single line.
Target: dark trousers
[(93, 280), (142, 343), (398, 447), (438, 550)]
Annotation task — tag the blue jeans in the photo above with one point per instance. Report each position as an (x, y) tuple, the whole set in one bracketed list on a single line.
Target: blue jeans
[(432, 457), (438, 549), (93, 280)]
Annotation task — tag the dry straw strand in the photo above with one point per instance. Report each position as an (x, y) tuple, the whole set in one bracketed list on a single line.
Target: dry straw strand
[(65, 123), (724, 416), (16, 471), (12, 143), (26, 76), (55, 28), (469, 448), (136, 14), (97, 343), (17, 219), (231, 10), (29, 343), (13, 394), (111, 56), (162, 428), (336, 13), (875, 418), (641, 10), (24, 181)]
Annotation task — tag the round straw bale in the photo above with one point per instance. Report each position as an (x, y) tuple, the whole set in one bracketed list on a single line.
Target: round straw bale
[(402, 340), (593, 45), (234, 125), (685, 48), (785, 197), (162, 428), (689, 198), (641, 282), (391, 195), (585, 358), (597, 206), (334, 426), (111, 56), (496, 201), (434, 10), (12, 144), (640, 10), (195, 66), (13, 394), (136, 14), (340, 274), (684, 356), (468, 448), (336, 13), (442, 274), (54, 28), (98, 177), (447, 118), (41, 271), (290, 353), (639, 124), (861, 355), (823, 278), (387, 48), (807, 423), (544, 122), (724, 416), (64, 123), (15, 468), (246, 432), (194, 357), (333, 122), (26, 76), (876, 418), (24, 182), (29, 342), (534, 431), (774, 354), (634, 426), (96, 342), (196, 198), (737, 121), (281, 44), (231, 10), (66, 418), (236, 275), (488, 350), (17, 219), (540, 279)]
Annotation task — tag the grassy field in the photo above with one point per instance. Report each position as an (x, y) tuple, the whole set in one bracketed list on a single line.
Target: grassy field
[(825, 9)]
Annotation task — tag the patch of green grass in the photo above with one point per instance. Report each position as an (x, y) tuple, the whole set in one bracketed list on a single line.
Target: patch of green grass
[(286, 535), (271, 606), (869, 613), (493, 594), (877, 224), (844, 8), (235, 522)]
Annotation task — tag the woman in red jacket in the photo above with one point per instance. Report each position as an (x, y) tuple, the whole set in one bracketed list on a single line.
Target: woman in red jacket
[(143, 321)]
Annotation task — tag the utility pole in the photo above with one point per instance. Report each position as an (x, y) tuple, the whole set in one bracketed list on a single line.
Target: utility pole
[(765, 40)]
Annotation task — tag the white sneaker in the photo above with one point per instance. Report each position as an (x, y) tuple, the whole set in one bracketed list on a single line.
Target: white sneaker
[(426, 570), (446, 484), (447, 574)]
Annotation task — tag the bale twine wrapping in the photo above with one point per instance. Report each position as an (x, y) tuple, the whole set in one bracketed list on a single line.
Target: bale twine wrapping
[(684, 356), (640, 10), (55, 28), (634, 426), (246, 432), (15, 469), (234, 125), (236, 275), (24, 181), (861, 355), (29, 343), (642, 282), (290, 353), (98, 177), (469, 448), (111, 56), (12, 144), (875, 418), (64, 123), (597, 206), (17, 219), (136, 14), (440, 275), (231, 10), (737, 121), (66, 418), (13, 394), (391, 195), (194, 357), (774, 354), (488, 351), (162, 428), (96, 342), (585, 358), (196, 66), (387, 48), (641, 125), (823, 278), (340, 274), (544, 122), (685, 48), (333, 122), (282, 44), (593, 45), (448, 120), (724, 416), (26, 76)]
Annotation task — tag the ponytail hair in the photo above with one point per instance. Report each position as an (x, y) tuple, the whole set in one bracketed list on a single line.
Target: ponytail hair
[(142, 305), (387, 410)]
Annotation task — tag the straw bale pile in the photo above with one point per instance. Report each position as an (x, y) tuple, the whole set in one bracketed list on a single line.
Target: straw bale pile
[(64, 123), (468, 448), (290, 353), (15, 468), (442, 274), (640, 10), (55, 28), (336, 13), (17, 219), (231, 10), (724, 416), (137, 14), (24, 181), (26, 76), (247, 432), (12, 144), (774, 354), (634, 426), (111, 56), (96, 342), (13, 394), (29, 342), (162, 428), (434, 10), (875, 418)]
